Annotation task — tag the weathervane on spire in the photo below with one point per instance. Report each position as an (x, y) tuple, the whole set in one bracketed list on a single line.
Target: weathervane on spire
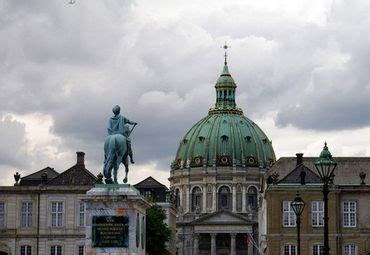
[(225, 47)]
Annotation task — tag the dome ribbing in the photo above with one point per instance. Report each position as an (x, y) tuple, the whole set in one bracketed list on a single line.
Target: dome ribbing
[(225, 137)]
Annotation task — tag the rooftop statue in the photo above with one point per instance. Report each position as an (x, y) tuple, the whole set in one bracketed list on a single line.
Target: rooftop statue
[(117, 146)]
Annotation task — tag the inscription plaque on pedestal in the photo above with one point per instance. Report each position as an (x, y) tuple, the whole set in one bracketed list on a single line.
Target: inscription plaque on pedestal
[(110, 231)]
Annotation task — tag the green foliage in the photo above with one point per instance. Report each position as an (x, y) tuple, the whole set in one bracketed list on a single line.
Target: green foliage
[(157, 231)]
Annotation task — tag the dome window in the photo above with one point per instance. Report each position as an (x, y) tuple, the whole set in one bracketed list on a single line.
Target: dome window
[(264, 140), (198, 161), (201, 139), (224, 138), (184, 141), (251, 160), (224, 160), (248, 138)]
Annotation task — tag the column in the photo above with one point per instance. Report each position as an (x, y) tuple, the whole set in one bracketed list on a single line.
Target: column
[(244, 199), (232, 244), (196, 244), (234, 198), (213, 244), (180, 245), (250, 244), (214, 198), (187, 198), (204, 207)]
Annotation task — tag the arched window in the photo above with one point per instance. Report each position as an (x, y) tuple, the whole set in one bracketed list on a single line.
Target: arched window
[(196, 198), (224, 198), (239, 191), (252, 197), (177, 198)]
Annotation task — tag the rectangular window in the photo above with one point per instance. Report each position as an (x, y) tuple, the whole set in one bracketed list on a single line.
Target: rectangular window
[(349, 213), (81, 250), (290, 249), (56, 214), (81, 214), (350, 249), (26, 250), (318, 249), (26, 214), (289, 218), (56, 250), (2, 214), (317, 213)]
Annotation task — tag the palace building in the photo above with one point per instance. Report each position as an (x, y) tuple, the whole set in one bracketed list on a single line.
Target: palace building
[(348, 207), (45, 212), (215, 178)]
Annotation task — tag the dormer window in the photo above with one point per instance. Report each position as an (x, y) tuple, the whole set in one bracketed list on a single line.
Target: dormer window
[(248, 138), (224, 138), (201, 139), (184, 141)]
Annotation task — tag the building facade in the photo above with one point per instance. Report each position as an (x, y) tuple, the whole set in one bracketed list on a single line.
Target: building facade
[(43, 213), (348, 208), (215, 178)]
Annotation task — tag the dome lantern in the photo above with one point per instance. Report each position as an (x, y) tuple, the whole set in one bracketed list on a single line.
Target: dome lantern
[(225, 92)]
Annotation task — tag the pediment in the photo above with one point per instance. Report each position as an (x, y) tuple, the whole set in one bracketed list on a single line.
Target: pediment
[(222, 217)]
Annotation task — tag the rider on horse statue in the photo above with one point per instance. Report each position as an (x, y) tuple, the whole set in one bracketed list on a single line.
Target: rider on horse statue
[(117, 146), (117, 125)]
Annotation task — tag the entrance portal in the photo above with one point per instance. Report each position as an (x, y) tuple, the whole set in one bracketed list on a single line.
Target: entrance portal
[(223, 244)]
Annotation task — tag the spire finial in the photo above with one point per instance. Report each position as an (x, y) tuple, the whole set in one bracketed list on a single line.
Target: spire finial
[(225, 47)]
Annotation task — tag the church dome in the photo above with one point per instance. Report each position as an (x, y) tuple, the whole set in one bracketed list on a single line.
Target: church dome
[(225, 137)]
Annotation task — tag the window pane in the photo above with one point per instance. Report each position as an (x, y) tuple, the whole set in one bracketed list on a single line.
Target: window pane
[(81, 250)]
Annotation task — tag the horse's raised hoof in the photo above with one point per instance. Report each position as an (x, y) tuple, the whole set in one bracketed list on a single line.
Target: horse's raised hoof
[(108, 181), (125, 180)]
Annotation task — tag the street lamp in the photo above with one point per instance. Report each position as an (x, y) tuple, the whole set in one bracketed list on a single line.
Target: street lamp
[(325, 166), (298, 206)]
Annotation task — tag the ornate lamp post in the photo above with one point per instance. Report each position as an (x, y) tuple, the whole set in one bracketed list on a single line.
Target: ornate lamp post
[(325, 166), (298, 206)]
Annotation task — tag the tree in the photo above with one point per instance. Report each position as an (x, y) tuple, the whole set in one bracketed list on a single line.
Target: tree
[(157, 231)]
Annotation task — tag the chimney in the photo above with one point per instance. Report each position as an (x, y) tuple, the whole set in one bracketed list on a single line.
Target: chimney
[(80, 158), (299, 158)]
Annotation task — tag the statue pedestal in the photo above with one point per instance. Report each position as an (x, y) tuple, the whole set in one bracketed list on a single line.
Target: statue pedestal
[(115, 220)]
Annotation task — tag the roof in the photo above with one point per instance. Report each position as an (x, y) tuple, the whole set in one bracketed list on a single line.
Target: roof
[(295, 175), (76, 175), (150, 182), (225, 137), (223, 217), (347, 171), (34, 179)]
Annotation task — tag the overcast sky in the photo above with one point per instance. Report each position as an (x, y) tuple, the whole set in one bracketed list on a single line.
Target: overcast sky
[(301, 67)]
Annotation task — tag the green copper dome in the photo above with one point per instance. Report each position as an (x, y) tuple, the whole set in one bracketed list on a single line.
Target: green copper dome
[(225, 137)]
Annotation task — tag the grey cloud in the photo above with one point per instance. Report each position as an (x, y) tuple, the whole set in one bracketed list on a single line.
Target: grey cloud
[(12, 146), (75, 62)]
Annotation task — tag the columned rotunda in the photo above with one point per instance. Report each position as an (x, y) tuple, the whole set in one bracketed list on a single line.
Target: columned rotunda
[(215, 178)]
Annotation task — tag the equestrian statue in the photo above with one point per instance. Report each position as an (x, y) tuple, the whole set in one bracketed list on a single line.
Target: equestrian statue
[(117, 146)]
